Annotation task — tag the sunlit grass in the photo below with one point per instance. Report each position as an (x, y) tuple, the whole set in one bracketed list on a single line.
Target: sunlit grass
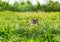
[(14, 27)]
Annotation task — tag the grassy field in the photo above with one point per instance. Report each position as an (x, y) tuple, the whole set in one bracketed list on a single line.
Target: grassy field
[(14, 27)]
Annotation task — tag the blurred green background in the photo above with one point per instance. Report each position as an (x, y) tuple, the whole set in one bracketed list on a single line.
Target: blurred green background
[(14, 22)]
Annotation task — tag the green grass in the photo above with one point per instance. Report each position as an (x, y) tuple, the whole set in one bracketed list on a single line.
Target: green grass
[(14, 27)]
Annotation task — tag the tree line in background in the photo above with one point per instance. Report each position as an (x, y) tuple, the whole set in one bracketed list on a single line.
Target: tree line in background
[(22, 7)]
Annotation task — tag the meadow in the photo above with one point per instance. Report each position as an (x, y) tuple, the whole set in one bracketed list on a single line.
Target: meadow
[(14, 27)]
